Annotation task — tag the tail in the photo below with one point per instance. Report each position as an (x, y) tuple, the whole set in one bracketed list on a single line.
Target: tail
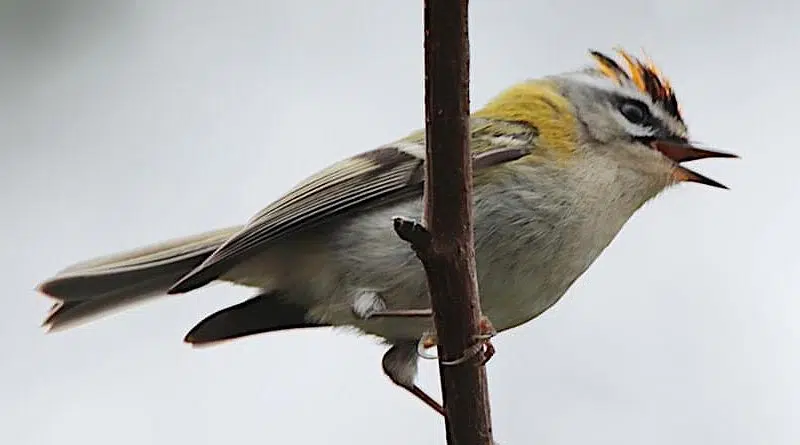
[(101, 286)]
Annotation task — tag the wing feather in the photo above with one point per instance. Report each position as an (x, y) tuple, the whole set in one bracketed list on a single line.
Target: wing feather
[(373, 178)]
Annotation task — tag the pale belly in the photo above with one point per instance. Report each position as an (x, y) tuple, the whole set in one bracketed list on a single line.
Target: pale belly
[(508, 299), (532, 242), (524, 267)]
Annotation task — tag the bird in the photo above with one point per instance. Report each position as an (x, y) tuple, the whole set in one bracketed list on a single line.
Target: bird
[(561, 163)]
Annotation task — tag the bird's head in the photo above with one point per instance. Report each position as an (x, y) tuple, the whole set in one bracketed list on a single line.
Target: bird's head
[(623, 112)]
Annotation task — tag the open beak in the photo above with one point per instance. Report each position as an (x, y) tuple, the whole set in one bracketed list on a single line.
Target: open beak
[(684, 152)]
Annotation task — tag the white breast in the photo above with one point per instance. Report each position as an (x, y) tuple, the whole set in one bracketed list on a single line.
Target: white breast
[(534, 237)]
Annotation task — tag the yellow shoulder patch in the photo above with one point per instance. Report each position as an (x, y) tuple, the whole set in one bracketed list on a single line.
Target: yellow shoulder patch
[(539, 104)]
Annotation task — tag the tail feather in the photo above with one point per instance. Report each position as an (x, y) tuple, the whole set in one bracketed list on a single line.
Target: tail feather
[(263, 313), (99, 286)]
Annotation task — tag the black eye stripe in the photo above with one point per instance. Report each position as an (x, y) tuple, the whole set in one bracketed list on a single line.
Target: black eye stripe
[(643, 117), (659, 126)]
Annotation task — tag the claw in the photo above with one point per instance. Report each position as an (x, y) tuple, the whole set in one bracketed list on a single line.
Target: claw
[(482, 344), (427, 341)]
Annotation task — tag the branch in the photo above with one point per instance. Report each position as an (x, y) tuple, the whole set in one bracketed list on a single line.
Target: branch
[(445, 243)]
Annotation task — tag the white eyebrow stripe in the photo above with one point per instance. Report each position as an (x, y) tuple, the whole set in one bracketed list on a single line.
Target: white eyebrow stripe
[(601, 83), (608, 85), (629, 90)]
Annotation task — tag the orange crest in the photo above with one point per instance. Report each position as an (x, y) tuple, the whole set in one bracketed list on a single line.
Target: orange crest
[(645, 76)]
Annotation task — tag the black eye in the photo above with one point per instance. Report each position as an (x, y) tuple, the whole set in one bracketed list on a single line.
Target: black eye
[(636, 112)]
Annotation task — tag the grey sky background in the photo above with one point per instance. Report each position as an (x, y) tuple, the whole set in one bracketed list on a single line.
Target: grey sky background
[(124, 123)]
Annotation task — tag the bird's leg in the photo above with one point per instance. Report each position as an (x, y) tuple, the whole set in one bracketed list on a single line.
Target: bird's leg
[(400, 361), (402, 369), (400, 365), (369, 304), (413, 313)]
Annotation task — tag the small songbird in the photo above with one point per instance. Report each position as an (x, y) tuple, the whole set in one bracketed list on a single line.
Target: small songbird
[(560, 164)]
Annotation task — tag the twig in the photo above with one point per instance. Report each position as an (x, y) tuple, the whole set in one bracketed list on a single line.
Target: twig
[(445, 242)]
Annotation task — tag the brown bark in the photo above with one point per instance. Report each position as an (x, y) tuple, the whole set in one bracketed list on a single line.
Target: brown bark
[(445, 244)]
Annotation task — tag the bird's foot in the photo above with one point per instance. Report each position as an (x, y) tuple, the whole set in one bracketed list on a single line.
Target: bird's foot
[(483, 344)]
